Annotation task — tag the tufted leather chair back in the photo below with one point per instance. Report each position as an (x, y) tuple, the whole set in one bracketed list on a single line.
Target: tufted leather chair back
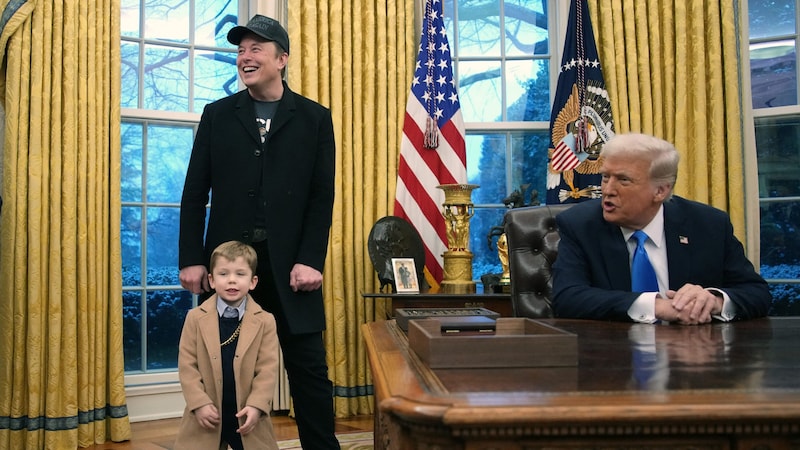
[(532, 237)]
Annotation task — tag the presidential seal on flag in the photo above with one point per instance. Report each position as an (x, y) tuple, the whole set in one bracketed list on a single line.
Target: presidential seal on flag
[(581, 121), (578, 135)]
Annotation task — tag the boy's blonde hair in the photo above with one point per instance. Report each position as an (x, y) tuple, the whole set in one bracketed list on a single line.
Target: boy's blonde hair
[(231, 250)]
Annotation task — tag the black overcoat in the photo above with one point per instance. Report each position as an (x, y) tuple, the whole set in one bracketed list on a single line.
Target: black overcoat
[(296, 164)]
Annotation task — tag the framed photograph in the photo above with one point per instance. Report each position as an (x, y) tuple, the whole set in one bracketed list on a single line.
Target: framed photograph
[(405, 275)]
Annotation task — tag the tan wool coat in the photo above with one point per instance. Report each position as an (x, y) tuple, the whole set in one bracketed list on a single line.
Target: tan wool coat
[(255, 368)]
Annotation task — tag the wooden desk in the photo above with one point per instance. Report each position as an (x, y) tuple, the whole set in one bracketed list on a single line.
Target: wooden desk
[(499, 303), (720, 386)]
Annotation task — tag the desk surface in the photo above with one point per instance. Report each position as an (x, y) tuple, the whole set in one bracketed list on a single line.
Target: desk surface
[(685, 379), (436, 296), (500, 303)]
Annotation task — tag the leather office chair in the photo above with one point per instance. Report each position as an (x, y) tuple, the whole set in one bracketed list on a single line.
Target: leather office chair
[(532, 237)]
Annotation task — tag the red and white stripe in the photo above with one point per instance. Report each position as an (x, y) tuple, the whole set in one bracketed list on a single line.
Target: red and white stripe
[(564, 158), (420, 170)]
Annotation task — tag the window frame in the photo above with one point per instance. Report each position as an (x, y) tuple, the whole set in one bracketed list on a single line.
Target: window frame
[(752, 177), (558, 12), (156, 394)]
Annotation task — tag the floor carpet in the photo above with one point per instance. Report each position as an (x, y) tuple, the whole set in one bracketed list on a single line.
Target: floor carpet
[(348, 441)]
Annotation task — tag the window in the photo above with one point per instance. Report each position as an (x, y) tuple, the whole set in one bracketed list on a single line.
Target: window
[(175, 60), (774, 81), (503, 59)]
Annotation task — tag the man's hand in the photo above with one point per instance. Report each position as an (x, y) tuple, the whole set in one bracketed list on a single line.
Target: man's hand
[(305, 278), (251, 414), (664, 310), (195, 279), (207, 416), (694, 304)]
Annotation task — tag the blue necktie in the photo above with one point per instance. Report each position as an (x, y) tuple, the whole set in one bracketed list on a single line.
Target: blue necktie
[(643, 276)]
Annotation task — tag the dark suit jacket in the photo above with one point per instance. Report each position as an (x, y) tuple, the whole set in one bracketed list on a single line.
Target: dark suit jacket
[(298, 161), (592, 277)]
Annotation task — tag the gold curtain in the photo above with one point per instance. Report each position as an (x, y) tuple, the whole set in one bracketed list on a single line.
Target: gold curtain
[(62, 382), (672, 70), (357, 58)]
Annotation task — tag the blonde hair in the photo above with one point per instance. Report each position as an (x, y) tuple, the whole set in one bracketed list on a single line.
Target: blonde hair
[(231, 250)]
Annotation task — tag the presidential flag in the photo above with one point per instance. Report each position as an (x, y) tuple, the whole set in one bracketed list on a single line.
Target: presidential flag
[(432, 150), (580, 122)]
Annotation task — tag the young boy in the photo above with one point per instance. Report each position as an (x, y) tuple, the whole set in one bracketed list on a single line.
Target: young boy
[(228, 360)]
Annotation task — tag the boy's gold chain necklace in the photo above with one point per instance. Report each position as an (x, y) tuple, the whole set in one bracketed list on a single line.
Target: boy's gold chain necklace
[(233, 336)]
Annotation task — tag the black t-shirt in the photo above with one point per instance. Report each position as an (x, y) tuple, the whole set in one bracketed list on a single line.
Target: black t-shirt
[(265, 111)]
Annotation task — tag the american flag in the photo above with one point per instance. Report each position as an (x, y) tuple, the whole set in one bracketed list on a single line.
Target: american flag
[(580, 122), (432, 151)]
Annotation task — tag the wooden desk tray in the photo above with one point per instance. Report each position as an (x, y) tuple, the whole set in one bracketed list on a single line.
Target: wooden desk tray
[(516, 342), (451, 318)]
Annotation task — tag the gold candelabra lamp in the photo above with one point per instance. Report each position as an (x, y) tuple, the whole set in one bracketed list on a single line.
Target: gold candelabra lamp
[(502, 254), (457, 210)]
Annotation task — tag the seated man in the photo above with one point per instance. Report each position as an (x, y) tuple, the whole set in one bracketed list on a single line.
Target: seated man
[(701, 271)]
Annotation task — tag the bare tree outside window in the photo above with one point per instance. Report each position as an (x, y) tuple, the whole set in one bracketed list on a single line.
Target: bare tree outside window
[(774, 82), (175, 60), (502, 55)]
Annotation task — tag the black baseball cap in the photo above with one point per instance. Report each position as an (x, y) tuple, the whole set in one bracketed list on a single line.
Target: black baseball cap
[(266, 27)]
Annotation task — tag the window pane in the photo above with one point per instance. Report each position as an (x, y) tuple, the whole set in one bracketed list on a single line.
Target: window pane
[(773, 71), (778, 151), (479, 91), (162, 246), (785, 297), (129, 75), (215, 77), (166, 310), (529, 164), (168, 150), (132, 329), (129, 18), (166, 83), (474, 149), (192, 65), (131, 171), (214, 19), (486, 167), (771, 18), (478, 30), (447, 20), (131, 237), (528, 90), (167, 20), (483, 246), (780, 239), (526, 21)]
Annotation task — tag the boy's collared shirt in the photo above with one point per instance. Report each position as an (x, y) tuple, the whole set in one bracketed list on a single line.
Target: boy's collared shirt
[(221, 305)]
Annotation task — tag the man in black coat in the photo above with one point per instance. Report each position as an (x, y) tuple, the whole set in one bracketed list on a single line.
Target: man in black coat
[(701, 270), (266, 156)]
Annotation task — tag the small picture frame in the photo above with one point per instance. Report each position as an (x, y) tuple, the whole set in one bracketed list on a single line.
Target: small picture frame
[(405, 275)]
